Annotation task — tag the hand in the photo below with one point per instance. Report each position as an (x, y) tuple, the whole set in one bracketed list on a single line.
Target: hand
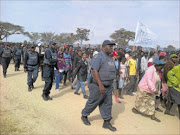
[(102, 89), (74, 71), (25, 70)]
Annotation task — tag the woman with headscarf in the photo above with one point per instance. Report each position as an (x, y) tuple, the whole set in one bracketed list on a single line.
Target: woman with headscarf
[(148, 88)]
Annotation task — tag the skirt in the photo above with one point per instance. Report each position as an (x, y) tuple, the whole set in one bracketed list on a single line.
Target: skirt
[(174, 96), (145, 102)]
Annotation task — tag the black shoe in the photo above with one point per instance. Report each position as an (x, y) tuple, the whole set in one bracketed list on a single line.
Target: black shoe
[(86, 97), (85, 120), (4, 76), (108, 125), (32, 86), (29, 88), (76, 93), (168, 113), (45, 97), (159, 110), (49, 98)]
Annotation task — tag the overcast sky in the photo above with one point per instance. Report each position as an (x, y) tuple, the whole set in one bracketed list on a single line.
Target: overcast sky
[(101, 17)]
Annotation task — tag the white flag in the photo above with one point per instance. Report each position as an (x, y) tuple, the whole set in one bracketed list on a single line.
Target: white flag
[(144, 36)]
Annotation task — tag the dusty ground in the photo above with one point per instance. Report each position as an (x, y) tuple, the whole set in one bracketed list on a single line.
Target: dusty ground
[(24, 112)]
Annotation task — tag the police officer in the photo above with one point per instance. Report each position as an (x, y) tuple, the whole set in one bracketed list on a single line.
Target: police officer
[(31, 65), (103, 71), (6, 54), (17, 57), (50, 61)]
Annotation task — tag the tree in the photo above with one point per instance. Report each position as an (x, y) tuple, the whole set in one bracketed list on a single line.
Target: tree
[(65, 38), (46, 37), (7, 29), (170, 47), (82, 35), (34, 37), (122, 36)]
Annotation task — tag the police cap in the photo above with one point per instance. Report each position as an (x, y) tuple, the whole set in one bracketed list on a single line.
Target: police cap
[(52, 43), (107, 42)]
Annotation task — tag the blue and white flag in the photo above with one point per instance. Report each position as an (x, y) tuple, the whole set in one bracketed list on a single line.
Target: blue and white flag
[(144, 36)]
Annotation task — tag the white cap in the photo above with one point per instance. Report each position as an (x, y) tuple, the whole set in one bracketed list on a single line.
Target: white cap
[(95, 53), (39, 44)]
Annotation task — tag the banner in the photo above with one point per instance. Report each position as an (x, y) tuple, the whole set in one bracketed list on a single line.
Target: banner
[(144, 37)]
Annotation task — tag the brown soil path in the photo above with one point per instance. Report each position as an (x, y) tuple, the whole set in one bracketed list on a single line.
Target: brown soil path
[(62, 114)]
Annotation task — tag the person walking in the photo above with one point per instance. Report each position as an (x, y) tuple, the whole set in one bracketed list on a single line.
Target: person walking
[(148, 88), (17, 57), (31, 65), (50, 61), (68, 62), (81, 72), (62, 68), (6, 55), (104, 72)]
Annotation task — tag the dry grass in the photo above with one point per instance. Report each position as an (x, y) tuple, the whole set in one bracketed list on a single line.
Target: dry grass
[(8, 124)]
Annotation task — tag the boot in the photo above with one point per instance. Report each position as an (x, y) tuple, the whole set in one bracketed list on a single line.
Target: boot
[(85, 120), (108, 125), (49, 98), (86, 97), (29, 88), (32, 86), (44, 97)]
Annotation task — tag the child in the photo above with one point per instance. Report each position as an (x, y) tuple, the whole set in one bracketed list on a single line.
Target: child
[(122, 78)]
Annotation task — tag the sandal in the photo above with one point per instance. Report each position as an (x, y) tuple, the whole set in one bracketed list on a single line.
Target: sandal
[(134, 111), (156, 119), (159, 110)]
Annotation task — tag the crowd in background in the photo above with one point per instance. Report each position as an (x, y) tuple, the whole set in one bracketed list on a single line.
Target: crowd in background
[(134, 70)]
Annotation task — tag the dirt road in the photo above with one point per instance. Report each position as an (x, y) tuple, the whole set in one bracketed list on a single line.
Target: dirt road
[(27, 113)]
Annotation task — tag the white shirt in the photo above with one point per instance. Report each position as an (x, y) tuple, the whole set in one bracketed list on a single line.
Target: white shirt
[(144, 64)]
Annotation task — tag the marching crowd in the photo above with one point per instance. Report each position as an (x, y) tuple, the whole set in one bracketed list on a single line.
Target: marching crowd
[(152, 76)]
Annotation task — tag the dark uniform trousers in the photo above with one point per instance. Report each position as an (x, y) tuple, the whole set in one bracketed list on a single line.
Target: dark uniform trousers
[(48, 78), (104, 101), (32, 74), (17, 61), (5, 64)]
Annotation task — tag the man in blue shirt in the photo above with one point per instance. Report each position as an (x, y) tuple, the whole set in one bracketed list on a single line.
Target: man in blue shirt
[(103, 72)]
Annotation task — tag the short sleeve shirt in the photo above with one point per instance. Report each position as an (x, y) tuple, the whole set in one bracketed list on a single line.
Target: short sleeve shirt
[(97, 61), (132, 66)]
